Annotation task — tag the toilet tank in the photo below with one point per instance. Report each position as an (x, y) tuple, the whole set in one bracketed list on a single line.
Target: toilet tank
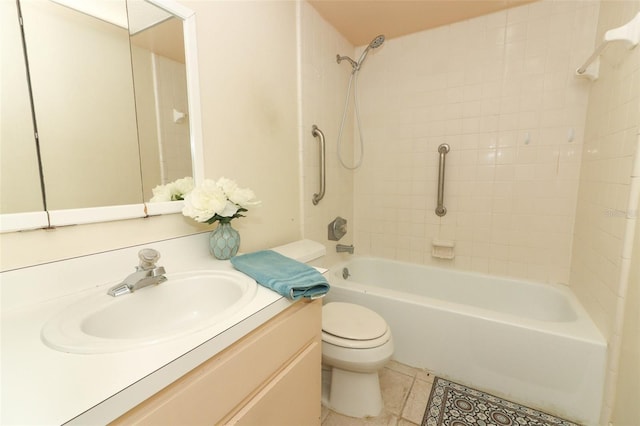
[(306, 251)]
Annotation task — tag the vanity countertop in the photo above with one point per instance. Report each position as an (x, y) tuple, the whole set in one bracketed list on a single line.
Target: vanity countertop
[(40, 385)]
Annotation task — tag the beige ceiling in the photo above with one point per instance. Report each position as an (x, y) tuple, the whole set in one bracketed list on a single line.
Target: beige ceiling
[(359, 21)]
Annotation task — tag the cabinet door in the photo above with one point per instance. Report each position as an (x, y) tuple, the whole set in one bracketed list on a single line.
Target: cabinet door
[(292, 397), (227, 382)]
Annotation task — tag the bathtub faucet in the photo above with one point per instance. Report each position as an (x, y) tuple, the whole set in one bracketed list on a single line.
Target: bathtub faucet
[(343, 248)]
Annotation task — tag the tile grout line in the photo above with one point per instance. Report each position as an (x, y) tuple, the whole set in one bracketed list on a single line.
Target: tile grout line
[(406, 398)]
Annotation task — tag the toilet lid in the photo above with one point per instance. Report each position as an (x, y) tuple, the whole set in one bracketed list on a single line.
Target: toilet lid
[(349, 321), (356, 344)]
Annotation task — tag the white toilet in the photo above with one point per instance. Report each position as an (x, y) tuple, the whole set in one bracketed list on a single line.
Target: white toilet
[(356, 343)]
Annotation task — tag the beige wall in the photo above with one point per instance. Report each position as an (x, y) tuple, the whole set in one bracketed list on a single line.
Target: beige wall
[(500, 91), (248, 78), (324, 87), (248, 81)]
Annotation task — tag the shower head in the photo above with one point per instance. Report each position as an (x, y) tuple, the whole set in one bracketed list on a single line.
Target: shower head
[(375, 43)]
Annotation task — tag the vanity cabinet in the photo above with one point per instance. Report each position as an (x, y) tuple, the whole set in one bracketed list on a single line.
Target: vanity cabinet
[(272, 376)]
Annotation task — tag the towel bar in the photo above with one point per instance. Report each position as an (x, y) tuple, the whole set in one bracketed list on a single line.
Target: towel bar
[(629, 34)]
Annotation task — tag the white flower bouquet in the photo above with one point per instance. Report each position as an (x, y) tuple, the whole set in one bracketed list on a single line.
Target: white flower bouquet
[(173, 191), (220, 200)]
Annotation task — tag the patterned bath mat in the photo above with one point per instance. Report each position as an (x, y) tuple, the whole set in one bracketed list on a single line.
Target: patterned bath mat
[(452, 404)]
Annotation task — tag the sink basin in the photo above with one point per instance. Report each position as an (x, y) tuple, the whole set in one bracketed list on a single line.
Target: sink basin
[(187, 302)]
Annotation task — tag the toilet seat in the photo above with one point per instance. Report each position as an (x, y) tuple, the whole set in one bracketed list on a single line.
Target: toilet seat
[(353, 326)]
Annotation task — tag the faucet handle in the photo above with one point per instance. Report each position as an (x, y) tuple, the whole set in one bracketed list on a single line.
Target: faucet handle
[(148, 258)]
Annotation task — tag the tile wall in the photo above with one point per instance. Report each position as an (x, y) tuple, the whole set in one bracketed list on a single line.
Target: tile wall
[(164, 143), (535, 157), (603, 272), (323, 88), (610, 143), (174, 135), (500, 91), (627, 409)]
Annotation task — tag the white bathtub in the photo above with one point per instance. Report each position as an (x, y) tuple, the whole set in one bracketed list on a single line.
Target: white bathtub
[(527, 342)]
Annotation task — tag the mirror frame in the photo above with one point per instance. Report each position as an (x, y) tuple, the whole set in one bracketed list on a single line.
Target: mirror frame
[(52, 218)]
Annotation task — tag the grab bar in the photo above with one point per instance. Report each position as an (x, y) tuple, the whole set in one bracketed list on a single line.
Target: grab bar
[(315, 131), (443, 149)]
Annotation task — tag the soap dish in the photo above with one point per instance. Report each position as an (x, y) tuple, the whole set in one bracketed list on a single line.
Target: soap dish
[(442, 249)]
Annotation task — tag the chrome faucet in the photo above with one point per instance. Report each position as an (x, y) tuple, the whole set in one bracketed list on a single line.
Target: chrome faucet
[(147, 273), (343, 248)]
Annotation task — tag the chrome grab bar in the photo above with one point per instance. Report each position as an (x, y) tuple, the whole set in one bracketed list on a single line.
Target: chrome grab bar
[(315, 131), (443, 149)]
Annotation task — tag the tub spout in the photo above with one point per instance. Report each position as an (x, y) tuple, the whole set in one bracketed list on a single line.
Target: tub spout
[(343, 248)]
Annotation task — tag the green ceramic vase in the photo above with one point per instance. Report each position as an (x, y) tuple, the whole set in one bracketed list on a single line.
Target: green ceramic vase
[(224, 241)]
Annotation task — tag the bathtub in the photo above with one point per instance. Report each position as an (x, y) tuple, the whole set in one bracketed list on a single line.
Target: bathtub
[(527, 342)]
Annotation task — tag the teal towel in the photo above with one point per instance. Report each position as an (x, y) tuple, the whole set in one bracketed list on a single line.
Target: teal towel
[(288, 277)]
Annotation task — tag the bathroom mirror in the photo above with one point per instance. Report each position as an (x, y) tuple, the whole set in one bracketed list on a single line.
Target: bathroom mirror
[(18, 160), (159, 74), (105, 178), (84, 107)]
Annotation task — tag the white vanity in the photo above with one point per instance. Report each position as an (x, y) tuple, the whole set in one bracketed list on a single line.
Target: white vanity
[(249, 365)]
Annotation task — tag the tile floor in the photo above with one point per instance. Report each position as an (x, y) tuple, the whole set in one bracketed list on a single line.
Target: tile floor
[(405, 392)]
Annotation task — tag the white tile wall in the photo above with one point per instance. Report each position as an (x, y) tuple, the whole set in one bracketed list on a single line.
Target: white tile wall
[(528, 162), (323, 88), (627, 410), (500, 91), (172, 94), (610, 143), (603, 272)]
